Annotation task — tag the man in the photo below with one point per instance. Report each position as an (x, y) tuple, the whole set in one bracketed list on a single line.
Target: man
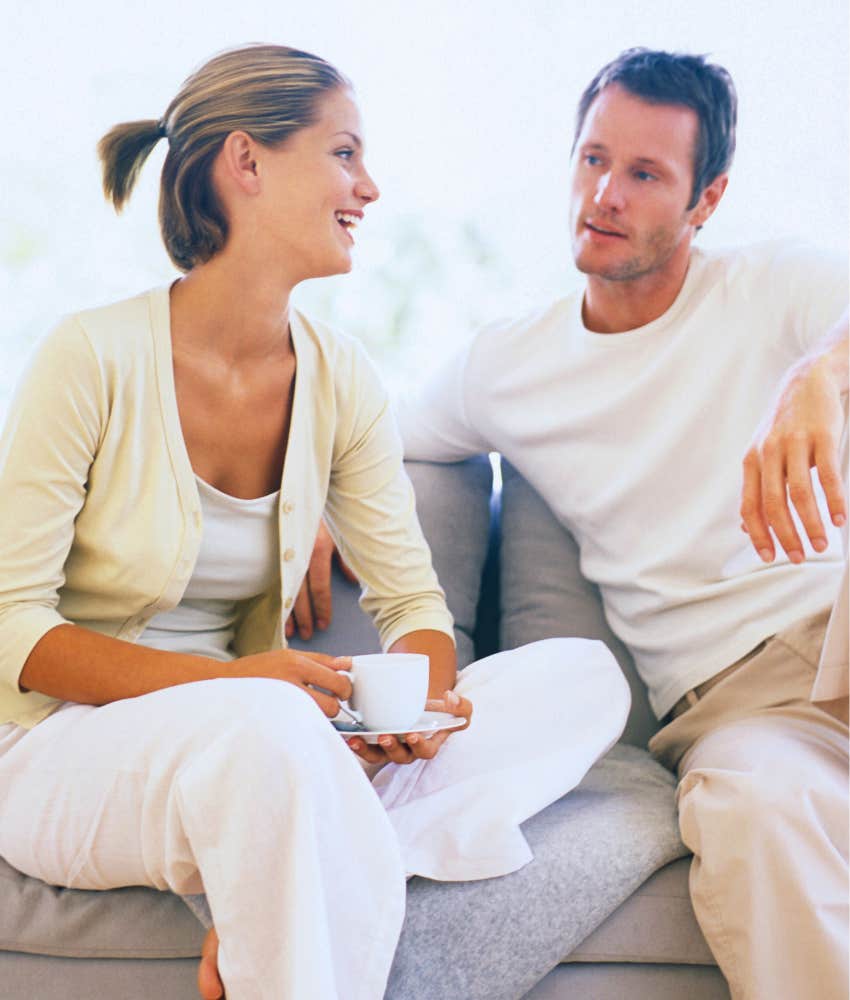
[(629, 407)]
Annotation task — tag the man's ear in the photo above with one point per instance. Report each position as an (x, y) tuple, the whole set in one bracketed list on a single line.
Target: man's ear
[(709, 200), (238, 161)]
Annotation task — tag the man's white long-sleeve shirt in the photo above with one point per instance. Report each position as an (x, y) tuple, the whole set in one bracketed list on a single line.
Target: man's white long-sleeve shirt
[(635, 440)]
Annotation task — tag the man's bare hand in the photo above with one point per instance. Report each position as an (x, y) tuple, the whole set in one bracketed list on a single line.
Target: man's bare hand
[(313, 607), (802, 431)]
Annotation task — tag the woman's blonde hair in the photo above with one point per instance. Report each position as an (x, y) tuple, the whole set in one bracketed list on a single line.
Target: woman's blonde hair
[(268, 91)]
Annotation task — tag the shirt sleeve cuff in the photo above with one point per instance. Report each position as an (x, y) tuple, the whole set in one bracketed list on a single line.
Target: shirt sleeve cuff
[(436, 621), (20, 630)]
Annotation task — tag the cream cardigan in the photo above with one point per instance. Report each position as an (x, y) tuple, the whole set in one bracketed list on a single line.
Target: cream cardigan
[(100, 521)]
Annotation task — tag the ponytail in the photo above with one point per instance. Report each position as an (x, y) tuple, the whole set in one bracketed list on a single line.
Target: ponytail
[(123, 151), (269, 91)]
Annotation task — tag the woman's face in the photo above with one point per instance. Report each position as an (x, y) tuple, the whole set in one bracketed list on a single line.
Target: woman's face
[(314, 190)]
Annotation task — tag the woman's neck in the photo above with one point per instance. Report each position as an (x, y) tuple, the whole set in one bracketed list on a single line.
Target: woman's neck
[(233, 310)]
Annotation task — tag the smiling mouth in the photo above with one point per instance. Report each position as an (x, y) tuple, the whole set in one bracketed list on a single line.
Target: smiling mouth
[(348, 222), (604, 232)]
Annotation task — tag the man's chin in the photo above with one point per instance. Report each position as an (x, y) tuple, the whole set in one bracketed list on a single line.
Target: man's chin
[(609, 270)]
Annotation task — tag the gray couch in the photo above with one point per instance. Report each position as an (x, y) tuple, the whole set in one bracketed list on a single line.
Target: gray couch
[(601, 912)]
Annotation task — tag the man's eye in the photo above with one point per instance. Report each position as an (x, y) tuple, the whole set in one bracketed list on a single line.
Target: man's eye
[(644, 175), (591, 160)]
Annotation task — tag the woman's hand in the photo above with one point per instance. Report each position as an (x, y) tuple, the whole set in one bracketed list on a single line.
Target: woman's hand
[(309, 671), (415, 746)]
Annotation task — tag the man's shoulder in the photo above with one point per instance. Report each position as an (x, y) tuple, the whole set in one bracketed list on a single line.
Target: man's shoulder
[(769, 259), (784, 294)]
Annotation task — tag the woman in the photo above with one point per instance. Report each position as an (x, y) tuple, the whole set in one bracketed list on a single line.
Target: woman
[(162, 475)]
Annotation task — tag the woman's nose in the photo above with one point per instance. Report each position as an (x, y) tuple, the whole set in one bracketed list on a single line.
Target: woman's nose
[(366, 188)]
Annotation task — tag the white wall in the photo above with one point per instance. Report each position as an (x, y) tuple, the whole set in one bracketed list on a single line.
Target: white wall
[(468, 109)]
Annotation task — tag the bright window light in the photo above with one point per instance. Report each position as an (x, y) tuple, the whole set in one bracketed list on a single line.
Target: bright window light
[(468, 111)]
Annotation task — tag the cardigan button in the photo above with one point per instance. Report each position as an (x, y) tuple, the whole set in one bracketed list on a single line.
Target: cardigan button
[(288, 602), (289, 555), (288, 506)]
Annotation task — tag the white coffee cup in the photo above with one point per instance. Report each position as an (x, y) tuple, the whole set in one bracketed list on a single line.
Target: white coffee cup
[(390, 689)]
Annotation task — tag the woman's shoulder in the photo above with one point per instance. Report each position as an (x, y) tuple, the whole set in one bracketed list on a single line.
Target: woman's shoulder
[(94, 340), (108, 335), (119, 329)]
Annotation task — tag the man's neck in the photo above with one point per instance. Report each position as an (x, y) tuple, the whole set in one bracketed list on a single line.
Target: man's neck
[(622, 305)]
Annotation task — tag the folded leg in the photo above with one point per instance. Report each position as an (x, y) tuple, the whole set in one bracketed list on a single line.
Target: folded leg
[(543, 714), (239, 788)]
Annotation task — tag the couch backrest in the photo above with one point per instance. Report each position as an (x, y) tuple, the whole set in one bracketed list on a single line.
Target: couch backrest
[(544, 594), (510, 571)]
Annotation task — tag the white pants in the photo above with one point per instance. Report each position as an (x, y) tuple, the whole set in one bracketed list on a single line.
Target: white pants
[(241, 789)]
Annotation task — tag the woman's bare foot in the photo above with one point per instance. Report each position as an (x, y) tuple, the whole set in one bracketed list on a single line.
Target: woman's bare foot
[(209, 985)]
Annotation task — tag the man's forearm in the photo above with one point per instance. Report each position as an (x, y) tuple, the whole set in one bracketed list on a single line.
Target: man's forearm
[(832, 354)]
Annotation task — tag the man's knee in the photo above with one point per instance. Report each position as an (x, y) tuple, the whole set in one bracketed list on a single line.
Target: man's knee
[(749, 813)]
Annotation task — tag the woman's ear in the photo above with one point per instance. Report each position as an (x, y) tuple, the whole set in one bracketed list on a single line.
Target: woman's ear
[(238, 162)]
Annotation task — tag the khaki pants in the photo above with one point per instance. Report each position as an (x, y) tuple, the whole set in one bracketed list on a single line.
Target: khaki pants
[(763, 804)]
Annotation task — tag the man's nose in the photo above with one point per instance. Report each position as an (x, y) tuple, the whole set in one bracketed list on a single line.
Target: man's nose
[(608, 192)]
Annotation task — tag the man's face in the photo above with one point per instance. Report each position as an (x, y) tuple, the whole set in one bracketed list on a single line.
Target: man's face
[(631, 185)]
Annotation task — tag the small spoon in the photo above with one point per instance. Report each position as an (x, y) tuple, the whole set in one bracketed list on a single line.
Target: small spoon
[(355, 722)]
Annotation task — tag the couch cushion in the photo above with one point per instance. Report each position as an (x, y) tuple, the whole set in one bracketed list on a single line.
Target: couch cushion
[(619, 980), (36, 977), (592, 849), (45, 920), (544, 595), (655, 924)]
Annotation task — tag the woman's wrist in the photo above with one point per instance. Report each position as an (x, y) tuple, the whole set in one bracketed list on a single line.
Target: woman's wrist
[(440, 650)]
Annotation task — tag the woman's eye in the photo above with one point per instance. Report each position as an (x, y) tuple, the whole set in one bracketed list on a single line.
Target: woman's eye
[(345, 154), (644, 175), (591, 160)]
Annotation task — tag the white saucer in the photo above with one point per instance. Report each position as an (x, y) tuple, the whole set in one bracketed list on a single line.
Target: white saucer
[(427, 723)]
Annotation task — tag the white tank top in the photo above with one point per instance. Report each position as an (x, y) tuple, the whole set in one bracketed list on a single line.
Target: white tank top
[(238, 559)]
